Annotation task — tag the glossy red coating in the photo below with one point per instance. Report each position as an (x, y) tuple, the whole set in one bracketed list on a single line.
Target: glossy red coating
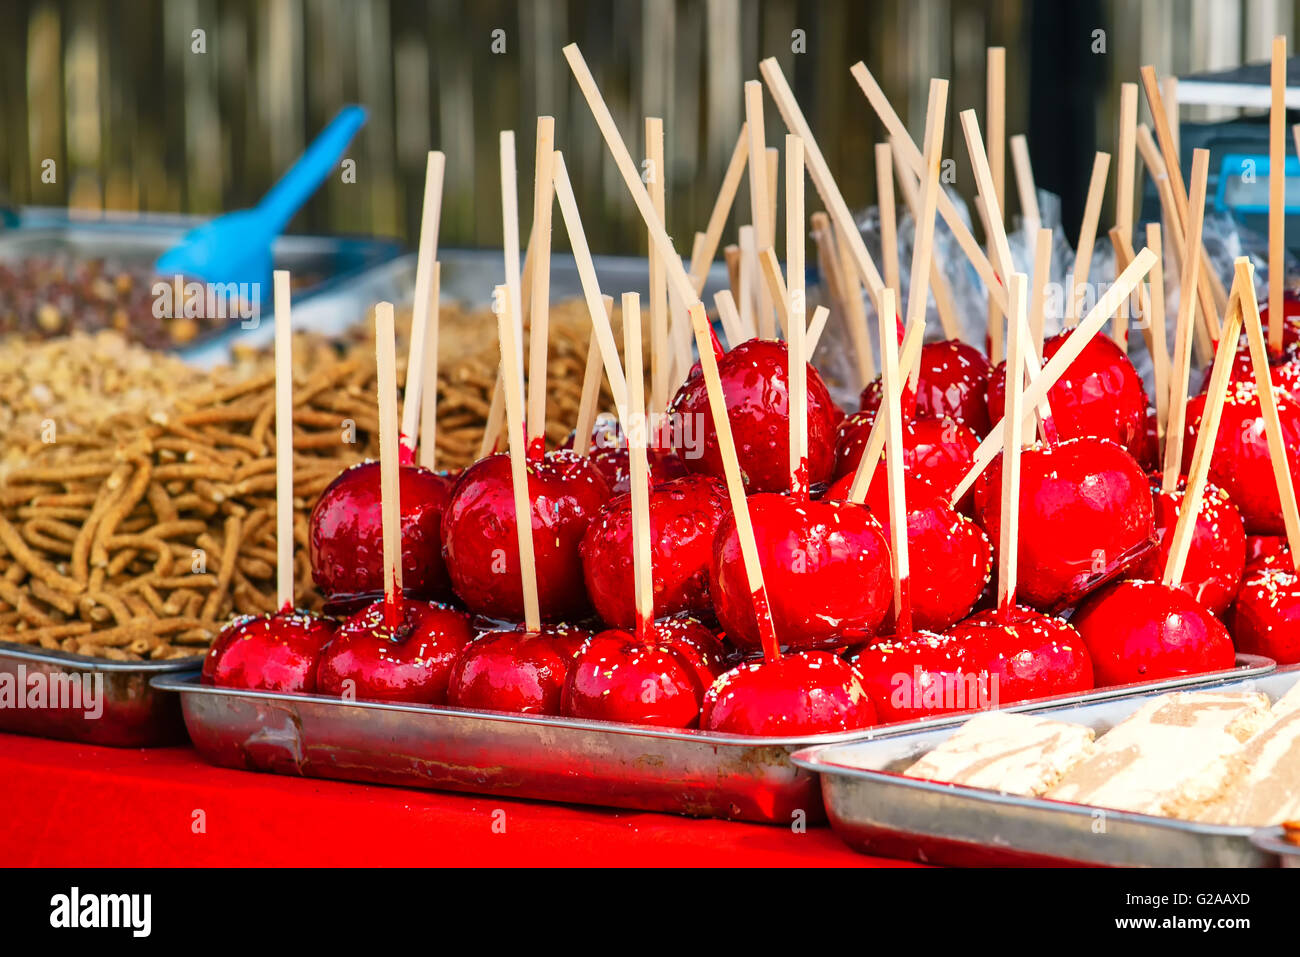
[(617, 677), (940, 451), (1143, 631), (1266, 618), (684, 516), (277, 652), (1261, 550), (754, 382), (514, 670), (1217, 557), (480, 541), (1086, 516), (1241, 464), (1100, 395), (1027, 654), (952, 384), (346, 542), (826, 566), (369, 661), (922, 675), (810, 692)]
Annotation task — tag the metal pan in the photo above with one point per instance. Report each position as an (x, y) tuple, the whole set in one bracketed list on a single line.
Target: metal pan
[(547, 758), (1271, 841), (876, 810), (52, 694)]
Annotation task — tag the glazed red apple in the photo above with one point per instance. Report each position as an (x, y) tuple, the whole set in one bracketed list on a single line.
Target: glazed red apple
[(1217, 557), (1027, 654), (940, 451), (684, 515), (826, 567), (1144, 631), (481, 546), (952, 384), (617, 471), (1086, 516), (346, 542), (1100, 395), (811, 692), (1284, 369), (514, 670), (369, 661), (618, 677), (1264, 550), (277, 652), (755, 384), (923, 675), (1241, 464), (1266, 618)]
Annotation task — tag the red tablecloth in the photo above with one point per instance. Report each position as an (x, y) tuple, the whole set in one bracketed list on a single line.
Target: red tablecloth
[(76, 805)]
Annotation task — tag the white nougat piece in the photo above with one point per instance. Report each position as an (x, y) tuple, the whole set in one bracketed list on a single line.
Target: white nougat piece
[(1288, 703), (1014, 753), (1265, 780)]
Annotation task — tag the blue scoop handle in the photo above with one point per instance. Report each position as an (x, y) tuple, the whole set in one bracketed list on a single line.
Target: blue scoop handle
[(304, 177)]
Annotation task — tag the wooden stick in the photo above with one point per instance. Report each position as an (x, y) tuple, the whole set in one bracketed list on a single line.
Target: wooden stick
[(1182, 360), (911, 154), (660, 364), (510, 234), (1128, 105), (732, 327), (996, 114), (389, 463), (816, 326), (639, 469), (1013, 415), (731, 255), (940, 288), (751, 281), (735, 482), (1087, 236), (1153, 337), (845, 293), (1277, 450), (994, 317), (1177, 246), (495, 420), (284, 441), (888, 217), (773, 185), (909, 356), (1169, 93), (891, 405), (760, 202), (428, 446), (425, 302), (775, 286), (702, 257), (919, 290), (1277, 196), (539, 318), (1060, 361), (1042, 283), (589, 400), (513, 388), (797, 324), (590, 285), (1024, 171), (1159, 332), (1207, 432)]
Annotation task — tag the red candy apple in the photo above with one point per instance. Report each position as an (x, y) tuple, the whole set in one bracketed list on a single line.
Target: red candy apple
[(1266, 618), (1262, 550), (370, 661), (922, 675), (1217, 557), (1144, 631), (952, 384), (940, 451), (812, 692), (1027, 654), (514, 670), (755, 384), (826, 566), (481, 545), (276, 652), (684, 515)]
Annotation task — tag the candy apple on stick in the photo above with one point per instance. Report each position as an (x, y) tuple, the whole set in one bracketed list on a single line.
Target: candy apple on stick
[(278, 652)]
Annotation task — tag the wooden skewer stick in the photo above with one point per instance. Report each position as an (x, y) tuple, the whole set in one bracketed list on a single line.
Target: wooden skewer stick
[(513, 388), (1013, 415), (775, 286), (1087, 237), (797, 324), (1182, 360), (996, 116), (918, 293), (1128, 105), (702, 257), (816, 326), (590, 285), (425, 303), (1159, 331), (1025, 186), (760, 203), (888, 217), (993, 318), (428, 446), (1153, 332), (1155, 164), (1060, 361), (732, 327), (539, 318), (846, 293), (891, 400), (284, 597), (828, 262), (940, 288), (389, 463), (731, 256), (751, 280), (589, 399), (638, 469), (911, 154), (909, 357), (773, 185), (735, 482), (660, 364), (1277, 450), (1177, 246), (495, 420), (1042, 285), (1277, 196), (510, 234), (1207, 432)]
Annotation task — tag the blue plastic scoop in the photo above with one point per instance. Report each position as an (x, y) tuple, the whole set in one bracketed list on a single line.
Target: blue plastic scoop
[(236, 247)]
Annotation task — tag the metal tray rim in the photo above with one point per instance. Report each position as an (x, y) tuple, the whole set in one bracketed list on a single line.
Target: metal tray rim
[(50, 656)]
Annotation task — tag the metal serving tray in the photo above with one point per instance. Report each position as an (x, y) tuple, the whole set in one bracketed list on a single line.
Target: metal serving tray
[(546, 758), (876, 810), (117, 707)]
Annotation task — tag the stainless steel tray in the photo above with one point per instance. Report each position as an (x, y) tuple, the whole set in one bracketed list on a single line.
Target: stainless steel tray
[(117, 707), (1270, 841), (876, 810), (545, 758)]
